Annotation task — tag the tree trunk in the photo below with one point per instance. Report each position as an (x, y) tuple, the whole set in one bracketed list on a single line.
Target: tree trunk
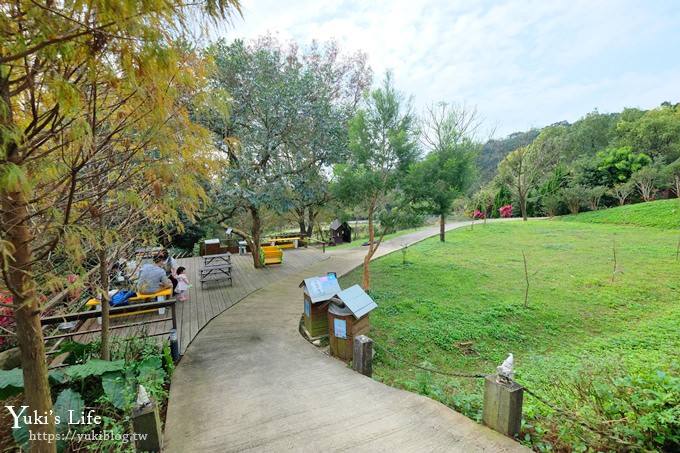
[(367, 277), (367, 259), (255, 246), (523, 206), (27, 317), (241, 233), (310, 221), (20, 281), (442, 228), (301, 220), (372, 248), (104, 279), (104, 276)]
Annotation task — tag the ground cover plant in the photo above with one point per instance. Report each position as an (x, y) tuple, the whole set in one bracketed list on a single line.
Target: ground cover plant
[(602, 351)]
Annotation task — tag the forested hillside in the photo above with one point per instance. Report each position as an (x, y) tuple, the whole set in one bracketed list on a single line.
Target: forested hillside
[(496, 149), (603, 159)]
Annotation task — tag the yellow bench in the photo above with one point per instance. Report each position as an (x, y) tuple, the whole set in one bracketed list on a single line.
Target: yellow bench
[(165, 293), (271, 254)]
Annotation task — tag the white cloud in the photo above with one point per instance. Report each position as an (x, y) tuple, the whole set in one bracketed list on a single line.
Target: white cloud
[(523, 62)]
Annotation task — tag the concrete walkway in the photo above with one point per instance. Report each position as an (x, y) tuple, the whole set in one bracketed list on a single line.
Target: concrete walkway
[(250, 382)]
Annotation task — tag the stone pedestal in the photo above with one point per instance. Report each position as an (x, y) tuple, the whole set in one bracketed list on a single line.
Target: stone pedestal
[(363, 355), (146, 420), (502, 410)]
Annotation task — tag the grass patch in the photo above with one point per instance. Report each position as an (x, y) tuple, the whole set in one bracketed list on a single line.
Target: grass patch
[(577, 322), (657, 214)]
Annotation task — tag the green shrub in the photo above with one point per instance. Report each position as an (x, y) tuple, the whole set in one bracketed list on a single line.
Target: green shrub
[(607, 407), (109, 388)]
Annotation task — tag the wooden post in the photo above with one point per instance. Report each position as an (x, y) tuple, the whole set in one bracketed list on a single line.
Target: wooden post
[(502, 410), (147, 422), (174, 316), (363, 355)]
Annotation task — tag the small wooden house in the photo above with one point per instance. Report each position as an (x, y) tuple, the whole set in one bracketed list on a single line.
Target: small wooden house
[(348, 316), (340, 232), (317, 293)]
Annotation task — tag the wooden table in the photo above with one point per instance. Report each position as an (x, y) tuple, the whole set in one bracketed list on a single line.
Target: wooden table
[(215, 272), (222, 258)]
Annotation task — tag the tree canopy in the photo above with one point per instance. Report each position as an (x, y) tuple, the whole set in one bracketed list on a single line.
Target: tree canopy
[(448, 170), (382, 148), (286, 123)]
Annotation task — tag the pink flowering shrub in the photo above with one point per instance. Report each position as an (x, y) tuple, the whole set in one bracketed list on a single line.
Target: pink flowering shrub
[(506, 211), (75, 292), (5, 320), (476, 215)]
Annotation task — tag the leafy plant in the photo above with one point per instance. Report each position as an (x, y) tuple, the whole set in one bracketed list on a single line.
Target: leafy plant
[(551, 204), (168, 362), (109, 388), (68, 402), (12, 381), (79, 352), (118, 389), (94, 367)]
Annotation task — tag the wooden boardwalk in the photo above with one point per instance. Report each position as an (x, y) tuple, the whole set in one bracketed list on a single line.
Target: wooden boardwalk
[(203, 304), (251, 382)]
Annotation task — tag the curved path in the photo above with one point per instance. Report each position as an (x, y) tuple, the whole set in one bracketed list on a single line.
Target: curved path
[(250, 382)]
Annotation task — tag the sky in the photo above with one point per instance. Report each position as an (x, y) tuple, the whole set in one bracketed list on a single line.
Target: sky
[(523, 63)]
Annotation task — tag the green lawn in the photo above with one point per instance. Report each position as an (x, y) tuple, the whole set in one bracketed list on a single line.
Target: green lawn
[(658, 214), (579, 327)]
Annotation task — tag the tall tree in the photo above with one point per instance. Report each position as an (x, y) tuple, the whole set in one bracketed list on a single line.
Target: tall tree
[(449, 134), (655, 132), (521, 171), (648, 180), (616, 165), (252, 134), (673, 176), (49, 56), (590, 134), (339, 82), (287, 121), (382, 147)]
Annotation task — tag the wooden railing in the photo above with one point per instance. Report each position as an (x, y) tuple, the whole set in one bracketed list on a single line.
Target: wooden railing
[(90, 314)]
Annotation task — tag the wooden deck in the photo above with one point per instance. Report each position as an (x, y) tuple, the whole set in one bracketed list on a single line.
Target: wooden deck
[(202, 305)]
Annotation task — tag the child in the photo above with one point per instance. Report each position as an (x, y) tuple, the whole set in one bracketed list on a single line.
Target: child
[(182, 283)]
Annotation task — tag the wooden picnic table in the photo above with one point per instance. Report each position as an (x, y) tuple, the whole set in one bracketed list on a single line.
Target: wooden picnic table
[(216, 272), (221, 258)]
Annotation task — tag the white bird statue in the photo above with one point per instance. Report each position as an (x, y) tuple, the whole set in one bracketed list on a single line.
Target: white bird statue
[(506, 372), (142, 397)]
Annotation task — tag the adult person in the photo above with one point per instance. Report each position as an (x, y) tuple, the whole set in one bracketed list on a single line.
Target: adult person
[(170, 266), (152, 277)]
